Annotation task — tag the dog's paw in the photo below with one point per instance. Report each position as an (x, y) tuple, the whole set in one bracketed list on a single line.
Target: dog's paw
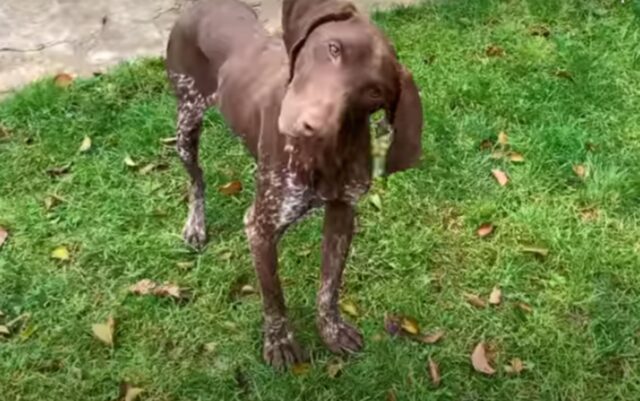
[(194, 232), (281, 348), (339, 336)]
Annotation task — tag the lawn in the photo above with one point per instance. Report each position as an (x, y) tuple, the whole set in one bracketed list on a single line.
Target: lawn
[(560, 78)]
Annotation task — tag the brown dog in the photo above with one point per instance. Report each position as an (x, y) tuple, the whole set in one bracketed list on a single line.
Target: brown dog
[(302, 106)]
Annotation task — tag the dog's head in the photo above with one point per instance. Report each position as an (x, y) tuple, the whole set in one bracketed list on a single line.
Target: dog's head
[(343, 68)]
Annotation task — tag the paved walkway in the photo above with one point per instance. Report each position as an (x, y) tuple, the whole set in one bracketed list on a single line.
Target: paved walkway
[(45, 37)]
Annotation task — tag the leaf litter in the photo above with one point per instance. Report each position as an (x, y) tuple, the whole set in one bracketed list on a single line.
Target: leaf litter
[(105, 331), (495, 298), (168, 290), (434, 372), (480, 361)]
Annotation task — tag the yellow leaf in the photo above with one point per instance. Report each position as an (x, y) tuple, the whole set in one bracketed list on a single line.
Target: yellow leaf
[(104, 331), (301, 369), (536, 250), (4, 330), (376, 201), (170, 141), (133, 393), (496, 296), (86, 145), (503, 138), (128, 161), (580, 170), (516, 157), (410, 325), (516, 366), (61, 253), (349, 308), (334, 367)]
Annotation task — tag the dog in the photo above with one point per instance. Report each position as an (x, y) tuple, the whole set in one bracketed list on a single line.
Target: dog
[(301, 104)]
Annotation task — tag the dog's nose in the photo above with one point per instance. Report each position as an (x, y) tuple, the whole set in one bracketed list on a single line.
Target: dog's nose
[(307, 128)]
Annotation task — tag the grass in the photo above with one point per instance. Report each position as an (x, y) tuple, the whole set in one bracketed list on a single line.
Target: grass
[(581, 341)]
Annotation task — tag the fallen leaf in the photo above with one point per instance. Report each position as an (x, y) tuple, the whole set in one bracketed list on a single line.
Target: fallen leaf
[(149, 287), (129, 392), (494, 51), (589, 214), (376, 201), (52, 201), (61, 253), (104, 331), (432, 338), (169, 141), (301, 369), (410, 325), (434, 372), (479, 360), (500, 176), (543, 252), (147, 169), (128, 161), (485, 230), (210, 347), (516, 157), (185, 265), (475, 300), (59, 170), (539, 30), (247, 290), (580, 170), (503, 138), (4, 234), (496, 296), (231, 188), (524, 307), (515, 367), (392, 324), (497, 155), (563, 74), (391, 396), (349, 308), (85, 146), (4, 330), (62, 80), (334, 367)]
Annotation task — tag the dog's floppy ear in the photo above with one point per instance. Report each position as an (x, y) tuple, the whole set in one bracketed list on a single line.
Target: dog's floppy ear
[(301, 17), (407, 122)]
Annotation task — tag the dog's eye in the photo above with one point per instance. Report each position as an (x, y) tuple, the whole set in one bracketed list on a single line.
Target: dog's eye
[(375, 93), (334, 50)]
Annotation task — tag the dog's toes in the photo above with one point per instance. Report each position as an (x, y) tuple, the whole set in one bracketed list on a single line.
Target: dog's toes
[(341, 337), (283, 352), (194, 234)]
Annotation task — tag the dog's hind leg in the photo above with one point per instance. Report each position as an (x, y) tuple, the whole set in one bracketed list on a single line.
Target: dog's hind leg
[(191, 107)]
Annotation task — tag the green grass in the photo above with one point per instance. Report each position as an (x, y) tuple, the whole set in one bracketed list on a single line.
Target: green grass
[(581, 342)]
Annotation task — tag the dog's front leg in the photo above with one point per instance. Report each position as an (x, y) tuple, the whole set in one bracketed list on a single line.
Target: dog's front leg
[(338, 335), (280, 347)]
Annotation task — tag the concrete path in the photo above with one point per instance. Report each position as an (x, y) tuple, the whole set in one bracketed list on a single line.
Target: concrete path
[(80, 37)]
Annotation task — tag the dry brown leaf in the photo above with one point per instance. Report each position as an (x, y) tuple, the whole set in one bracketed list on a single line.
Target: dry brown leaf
[(104, 331), (85, 146), (524, 307), (495, 298), (543, 252), (475, 300), (4, 234), (539, 30), (485, 230), (62, 80), (59, 170), (486, 144), (516, 157), (231, 188), (494, 51), (500, 176), (301, 369), (149, 287), (434, 372), (335, 366), (432, 338), (479, 360), (391, 396), (580, 170), (410, 325), (61, 253), (185, 265), (515, 367), (349, 308), (4, 330), (128, 392), (503, 138), (564, 74)]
